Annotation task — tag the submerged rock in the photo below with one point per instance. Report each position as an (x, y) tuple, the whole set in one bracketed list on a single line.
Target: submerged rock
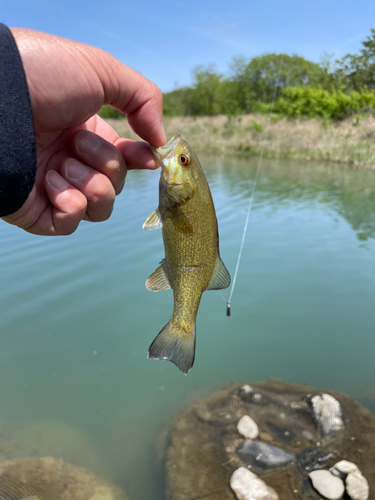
[(328, 485), (49, 438), (247, 427), (307, 435), (313, 458), (264, 436), (264, 456), (248, 486), (357, 486), (345, 467), (205, 448), (51, 479), (327, 413), (247, 388)]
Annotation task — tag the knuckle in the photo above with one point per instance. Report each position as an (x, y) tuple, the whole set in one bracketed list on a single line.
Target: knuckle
[(67, 225), (157, 95), (80, 206), (151, 92), (113, 161), (67, 231), (120, 187), (115, 164), (100, 216), (154, 89), (105, 216), (104, 193)]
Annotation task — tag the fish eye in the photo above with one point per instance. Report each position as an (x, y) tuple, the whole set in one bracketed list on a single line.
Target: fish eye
[(184, 160)]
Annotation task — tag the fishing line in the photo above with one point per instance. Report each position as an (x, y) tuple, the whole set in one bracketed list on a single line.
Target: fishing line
[(254, 187)]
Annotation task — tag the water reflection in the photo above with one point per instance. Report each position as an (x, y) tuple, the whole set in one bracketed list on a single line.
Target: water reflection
[(345, 191)]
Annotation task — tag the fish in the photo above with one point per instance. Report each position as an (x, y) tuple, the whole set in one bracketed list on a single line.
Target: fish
[(192, 263)]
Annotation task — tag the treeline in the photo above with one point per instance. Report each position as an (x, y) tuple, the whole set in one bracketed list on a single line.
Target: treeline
[(330, 88)]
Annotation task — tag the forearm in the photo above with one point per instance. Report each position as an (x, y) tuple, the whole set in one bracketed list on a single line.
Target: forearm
[(17, 136)]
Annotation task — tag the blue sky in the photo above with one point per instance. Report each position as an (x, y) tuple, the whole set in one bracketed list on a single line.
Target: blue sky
[(164, 40)]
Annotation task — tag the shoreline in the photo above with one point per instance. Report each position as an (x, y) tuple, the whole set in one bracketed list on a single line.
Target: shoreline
[(351, 141)]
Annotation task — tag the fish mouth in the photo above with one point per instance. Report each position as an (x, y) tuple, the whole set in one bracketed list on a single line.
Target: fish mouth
[(165, 151)]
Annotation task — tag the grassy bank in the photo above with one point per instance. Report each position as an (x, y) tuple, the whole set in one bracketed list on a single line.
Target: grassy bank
[(350, 141)]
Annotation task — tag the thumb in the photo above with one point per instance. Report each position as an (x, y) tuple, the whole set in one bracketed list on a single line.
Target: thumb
[(69, 82), (134, 95)]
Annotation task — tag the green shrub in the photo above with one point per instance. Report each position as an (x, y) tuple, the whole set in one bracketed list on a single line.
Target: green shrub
[(356, 121), (109, 112), (254, 127), (313, 102)]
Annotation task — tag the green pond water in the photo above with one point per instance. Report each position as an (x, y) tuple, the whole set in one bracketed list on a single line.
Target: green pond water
[(76, 320)]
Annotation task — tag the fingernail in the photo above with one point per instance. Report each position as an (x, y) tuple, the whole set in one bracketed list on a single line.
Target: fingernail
[(56, 181), (162, 129), (87, 142), (75, 170)]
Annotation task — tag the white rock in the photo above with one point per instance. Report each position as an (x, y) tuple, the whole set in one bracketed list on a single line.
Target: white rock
[(328, 485), (328, 413), (247, 388), (247, 427), (248, 486), (307, 435), (357, 486), (337, 473), (346, 467)]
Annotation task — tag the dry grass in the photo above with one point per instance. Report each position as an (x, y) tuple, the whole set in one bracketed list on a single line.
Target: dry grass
[(350, 141)]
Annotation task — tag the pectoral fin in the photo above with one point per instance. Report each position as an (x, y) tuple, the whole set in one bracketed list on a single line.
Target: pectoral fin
[(220, 277), (180, 220), (158, 280), (153, 221)]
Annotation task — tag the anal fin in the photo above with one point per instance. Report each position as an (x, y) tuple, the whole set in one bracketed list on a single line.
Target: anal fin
[(158, 280), (220, 277)]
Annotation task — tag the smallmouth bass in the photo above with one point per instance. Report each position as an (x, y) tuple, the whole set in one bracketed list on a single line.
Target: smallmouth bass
[(192, 262)]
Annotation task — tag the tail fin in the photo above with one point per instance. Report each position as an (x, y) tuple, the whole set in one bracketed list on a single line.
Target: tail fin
[(171, 346)]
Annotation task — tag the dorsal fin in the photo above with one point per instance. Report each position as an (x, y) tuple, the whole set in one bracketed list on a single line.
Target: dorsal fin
[(220, 277), (158, 280)]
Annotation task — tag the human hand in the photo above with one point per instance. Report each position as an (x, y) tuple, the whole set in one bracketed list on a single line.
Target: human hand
[(81, 161)]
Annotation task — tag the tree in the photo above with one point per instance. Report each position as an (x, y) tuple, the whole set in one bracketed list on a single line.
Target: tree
[(205, 90), (258, 78), (359, 69), (330, 78), (311, 88), (179, 102)]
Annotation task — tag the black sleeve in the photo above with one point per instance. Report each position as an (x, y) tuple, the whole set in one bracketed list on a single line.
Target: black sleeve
[(17, 135)]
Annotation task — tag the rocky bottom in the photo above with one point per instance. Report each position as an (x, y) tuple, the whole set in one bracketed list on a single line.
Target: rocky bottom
[(51, 479), (280, 433)]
